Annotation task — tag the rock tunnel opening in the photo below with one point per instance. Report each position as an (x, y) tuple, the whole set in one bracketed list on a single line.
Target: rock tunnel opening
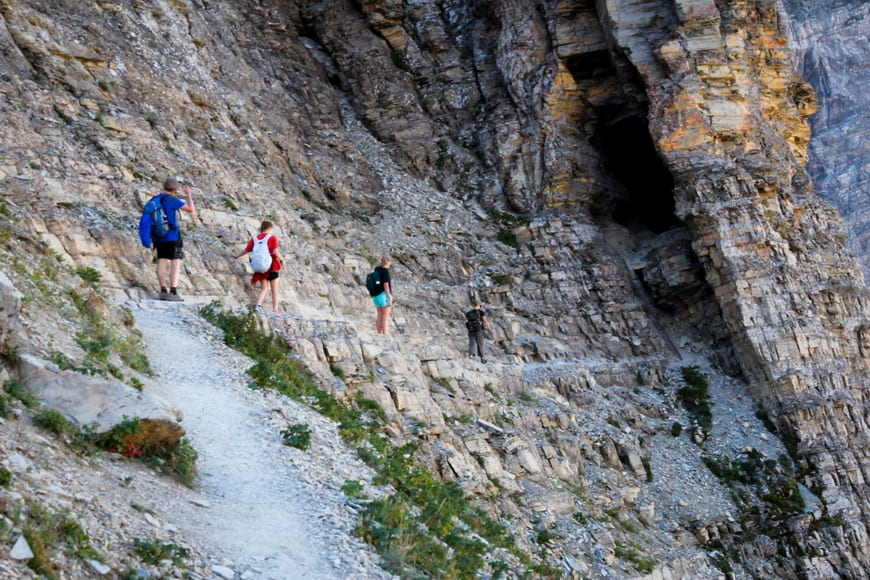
[(641, 193)]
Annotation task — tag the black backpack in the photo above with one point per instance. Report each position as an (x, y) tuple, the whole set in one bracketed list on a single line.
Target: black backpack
[(474, 320), (373, 284)]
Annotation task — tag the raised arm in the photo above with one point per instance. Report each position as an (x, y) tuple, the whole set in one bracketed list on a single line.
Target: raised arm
[(188, 205)]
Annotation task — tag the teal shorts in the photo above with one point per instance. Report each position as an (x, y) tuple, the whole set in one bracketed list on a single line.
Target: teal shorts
[(381, 300)]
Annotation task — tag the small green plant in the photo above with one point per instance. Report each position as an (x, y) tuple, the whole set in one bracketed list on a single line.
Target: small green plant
[(132, 352), (155, 551), (544, 537), (229, 204), (17, 391), (89, 275), (297, 435), (613, 422), (121, 438), (55, 422), (5, 409), (126, 438), (648, 468), (676, 429), (48, 533), (179, 460), (62, 114), (337, 371), (695, 397), (631, 554), (352, 489), (5, 478), (444, 383), (509, 238), (524, 396)]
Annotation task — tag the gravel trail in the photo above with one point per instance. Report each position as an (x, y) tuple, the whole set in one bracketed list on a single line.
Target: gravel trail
[(263, 511)]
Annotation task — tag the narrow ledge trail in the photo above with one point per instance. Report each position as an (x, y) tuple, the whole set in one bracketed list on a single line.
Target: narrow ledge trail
[(260, 508)]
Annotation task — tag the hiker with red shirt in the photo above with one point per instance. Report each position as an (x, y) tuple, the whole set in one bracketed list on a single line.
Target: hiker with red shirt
[(268, 279)]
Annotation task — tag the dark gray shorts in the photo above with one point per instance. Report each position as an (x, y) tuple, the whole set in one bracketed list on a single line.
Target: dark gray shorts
[(170, 250)]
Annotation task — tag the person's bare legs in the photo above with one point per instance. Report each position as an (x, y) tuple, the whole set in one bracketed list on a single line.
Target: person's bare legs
[(264, 287), (383, 318), (174, 271), (162, 264), (274, 285)]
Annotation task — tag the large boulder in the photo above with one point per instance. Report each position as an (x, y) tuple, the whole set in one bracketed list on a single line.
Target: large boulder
[(102, 404)]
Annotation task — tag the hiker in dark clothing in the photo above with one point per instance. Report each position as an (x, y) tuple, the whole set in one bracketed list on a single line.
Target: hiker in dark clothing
[(477, 324)]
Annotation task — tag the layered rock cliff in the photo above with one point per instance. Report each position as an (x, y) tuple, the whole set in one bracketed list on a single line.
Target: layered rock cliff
[(836, 32), (622, 182)]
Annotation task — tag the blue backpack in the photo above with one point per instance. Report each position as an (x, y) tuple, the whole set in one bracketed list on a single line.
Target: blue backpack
[(154, 223)]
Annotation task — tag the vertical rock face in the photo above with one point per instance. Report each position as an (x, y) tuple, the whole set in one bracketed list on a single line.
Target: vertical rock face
[(730, 117), (640, 162), (830, 42)]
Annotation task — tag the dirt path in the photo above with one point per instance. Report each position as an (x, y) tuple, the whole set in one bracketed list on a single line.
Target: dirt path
[(260, 512)]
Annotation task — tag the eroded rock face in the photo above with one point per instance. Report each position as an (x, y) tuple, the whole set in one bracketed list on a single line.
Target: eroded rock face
[(829, 39), (651, 154)]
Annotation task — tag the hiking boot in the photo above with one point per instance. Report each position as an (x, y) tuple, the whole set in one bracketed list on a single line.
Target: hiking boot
[(174, 297), (164, 295)]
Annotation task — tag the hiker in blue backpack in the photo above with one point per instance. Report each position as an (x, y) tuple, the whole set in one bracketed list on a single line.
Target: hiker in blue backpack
[(384, 299), (170, 248), (477, 324), (266, 260)]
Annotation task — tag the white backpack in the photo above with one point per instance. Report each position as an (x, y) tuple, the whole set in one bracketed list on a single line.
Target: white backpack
[(261, 258)]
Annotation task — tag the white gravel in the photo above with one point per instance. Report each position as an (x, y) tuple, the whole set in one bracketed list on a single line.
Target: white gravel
[(272, 511)]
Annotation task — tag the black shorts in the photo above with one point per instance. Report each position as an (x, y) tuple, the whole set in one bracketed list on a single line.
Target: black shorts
[(272, 276), (170, 250)]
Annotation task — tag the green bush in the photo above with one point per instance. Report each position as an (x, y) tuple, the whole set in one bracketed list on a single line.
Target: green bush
[(352, 489), (298, 436), (5, 409), (508, 238), (55, 422), (89, 275), (154, 551), (125, 438), (48, 533), (17, 391), (5, 477), (695, 397), (337, 371)]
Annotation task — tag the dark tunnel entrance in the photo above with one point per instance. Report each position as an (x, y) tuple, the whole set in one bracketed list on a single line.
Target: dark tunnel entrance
[(641, 192)]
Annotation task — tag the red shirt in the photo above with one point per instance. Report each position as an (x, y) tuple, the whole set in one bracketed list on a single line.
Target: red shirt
[(272, 244)]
